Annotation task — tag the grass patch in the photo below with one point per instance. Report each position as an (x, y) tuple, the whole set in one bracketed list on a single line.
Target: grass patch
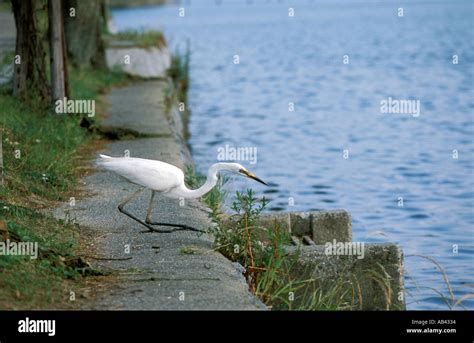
[(42, 153), (145, 39), (39, 152), (90, 84), (41, 148), (134, 3), (263, 259), (45, 281), (43, 156), (179, 73)]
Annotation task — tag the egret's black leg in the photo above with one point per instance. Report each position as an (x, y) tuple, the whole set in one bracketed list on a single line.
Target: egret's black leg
[(122, 210), (179, 227)]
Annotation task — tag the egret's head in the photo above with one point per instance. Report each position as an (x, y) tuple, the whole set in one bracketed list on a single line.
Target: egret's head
[(241, 170)]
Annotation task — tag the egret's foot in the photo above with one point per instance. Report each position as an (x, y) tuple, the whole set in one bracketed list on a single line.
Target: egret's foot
[(144, 223), (177, 227), (152, 229)]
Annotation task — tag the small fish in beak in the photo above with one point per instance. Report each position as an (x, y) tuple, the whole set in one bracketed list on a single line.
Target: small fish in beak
[(251, 176)]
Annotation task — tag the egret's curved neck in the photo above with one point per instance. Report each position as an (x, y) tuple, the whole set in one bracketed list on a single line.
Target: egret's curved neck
[(210, 183)]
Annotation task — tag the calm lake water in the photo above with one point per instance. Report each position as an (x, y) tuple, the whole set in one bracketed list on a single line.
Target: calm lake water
[(300, 153)]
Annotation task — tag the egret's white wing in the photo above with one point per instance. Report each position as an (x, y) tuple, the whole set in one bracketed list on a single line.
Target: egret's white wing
[(156, 175)]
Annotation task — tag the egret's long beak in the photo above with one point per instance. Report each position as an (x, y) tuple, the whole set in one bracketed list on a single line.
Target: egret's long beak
[(252, 176)]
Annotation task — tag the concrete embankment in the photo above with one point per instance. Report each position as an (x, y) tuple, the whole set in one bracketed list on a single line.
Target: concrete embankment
[(151, 62), (326, 254)]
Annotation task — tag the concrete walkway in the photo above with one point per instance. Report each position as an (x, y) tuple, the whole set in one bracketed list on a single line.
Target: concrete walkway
[(168, 271)]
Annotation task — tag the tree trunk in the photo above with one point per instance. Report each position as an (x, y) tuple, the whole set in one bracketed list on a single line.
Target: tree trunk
[(59, 82), (85, 46), (29, 72)]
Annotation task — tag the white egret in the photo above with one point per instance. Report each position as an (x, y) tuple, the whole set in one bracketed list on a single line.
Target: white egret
[(166, 179)]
